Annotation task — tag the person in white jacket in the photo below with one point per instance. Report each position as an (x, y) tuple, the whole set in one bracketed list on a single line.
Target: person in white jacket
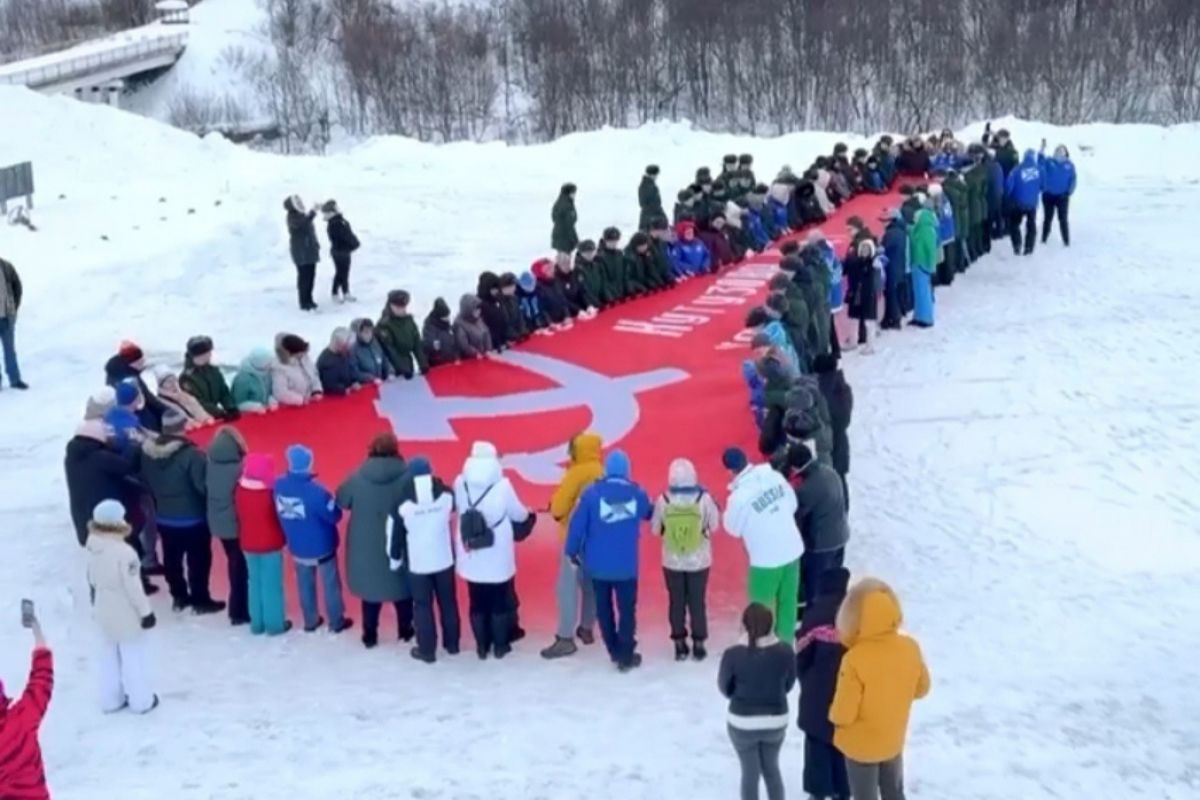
[(761, 512), (294, 378), (426, 505), (489, 569), (122, 613)]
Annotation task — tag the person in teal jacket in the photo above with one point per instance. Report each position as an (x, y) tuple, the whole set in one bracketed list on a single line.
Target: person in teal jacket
[(923, 255), (252, 385)]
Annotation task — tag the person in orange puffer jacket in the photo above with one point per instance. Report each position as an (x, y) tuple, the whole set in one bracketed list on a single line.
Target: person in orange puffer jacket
[(586, 468), (882, 673)]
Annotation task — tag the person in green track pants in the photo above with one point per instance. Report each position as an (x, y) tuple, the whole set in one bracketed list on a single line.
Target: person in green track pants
[(761, 512)]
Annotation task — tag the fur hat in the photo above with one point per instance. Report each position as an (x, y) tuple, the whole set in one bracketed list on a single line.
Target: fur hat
[(299, 459), (198, 346), (659, 224), (729, 158), (130, 352), (586, 246), (745, 158), (567, 188), (652, 170), (398, 297), (100, 403), (639, 239), (174, 422), (292, 344), (126, 393), (612, 234)]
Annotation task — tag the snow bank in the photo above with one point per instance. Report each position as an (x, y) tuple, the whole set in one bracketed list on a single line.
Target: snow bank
[(1024, 474)]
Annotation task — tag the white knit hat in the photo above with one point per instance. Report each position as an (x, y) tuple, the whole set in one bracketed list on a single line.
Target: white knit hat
[(109, 513)]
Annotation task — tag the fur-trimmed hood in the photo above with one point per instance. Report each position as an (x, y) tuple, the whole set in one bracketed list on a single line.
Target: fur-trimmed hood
[(161, 447), (870, 610)]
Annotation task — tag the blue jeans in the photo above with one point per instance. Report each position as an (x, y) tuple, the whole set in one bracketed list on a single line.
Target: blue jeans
[(7, 340), (617, 625), (331, 584)]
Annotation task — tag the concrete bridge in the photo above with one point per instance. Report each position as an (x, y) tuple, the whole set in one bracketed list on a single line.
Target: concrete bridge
[(96, 70)]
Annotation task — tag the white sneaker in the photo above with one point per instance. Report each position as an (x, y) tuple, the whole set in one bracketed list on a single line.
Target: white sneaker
[(339, 299), (349, 298)]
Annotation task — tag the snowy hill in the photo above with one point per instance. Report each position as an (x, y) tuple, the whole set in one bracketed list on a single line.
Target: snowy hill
[(1025, 475)]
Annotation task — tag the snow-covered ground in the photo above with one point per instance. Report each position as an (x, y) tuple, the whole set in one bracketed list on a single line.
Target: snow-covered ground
[(1025, 474)]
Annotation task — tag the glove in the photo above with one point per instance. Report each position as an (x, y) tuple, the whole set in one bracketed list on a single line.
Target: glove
[(148, 622)]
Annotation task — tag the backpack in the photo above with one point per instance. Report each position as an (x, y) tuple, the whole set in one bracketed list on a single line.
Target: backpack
[(683, 526), (477, 534)]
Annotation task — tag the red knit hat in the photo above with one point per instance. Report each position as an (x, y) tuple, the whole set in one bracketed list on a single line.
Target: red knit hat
[(130, 352), (542, 269)]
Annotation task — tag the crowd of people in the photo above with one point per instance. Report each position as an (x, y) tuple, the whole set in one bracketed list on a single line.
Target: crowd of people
[(145, 499)]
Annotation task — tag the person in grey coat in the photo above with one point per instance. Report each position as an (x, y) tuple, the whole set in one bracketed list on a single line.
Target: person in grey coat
[(820, 515), (370, 363), (305, 249), (225, 455), (372, 496), (175, 472), (470, 331), (438, 336)]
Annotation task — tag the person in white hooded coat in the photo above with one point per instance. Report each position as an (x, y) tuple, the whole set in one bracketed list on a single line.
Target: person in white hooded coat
[(294, 378), (122, 613), (490, 571)]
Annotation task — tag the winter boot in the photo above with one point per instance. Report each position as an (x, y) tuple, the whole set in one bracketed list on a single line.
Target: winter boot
[(585, 635), (634, 662), (699, 651), (421, 655), (560, 649), (502, 626), (346, 624), (370, 639), (207, 606), (316, 627), (483, 634), (407, 633), (180, 604), (681, 650)]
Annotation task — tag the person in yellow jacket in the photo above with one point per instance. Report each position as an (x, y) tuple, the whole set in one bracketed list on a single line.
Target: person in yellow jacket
[(585, 468), (882, 673)]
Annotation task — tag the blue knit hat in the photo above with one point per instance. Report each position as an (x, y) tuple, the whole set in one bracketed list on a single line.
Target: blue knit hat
[(617, 465), (299, 459), (419, 465), (127, 393), (527, 281), (734, 459)]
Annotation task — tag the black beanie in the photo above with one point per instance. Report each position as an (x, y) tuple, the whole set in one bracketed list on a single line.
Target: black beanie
[(567, 188), (652, 169), (586, 246)]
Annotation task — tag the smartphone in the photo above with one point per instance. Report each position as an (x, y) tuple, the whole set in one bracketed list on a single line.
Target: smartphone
[(27, 613)]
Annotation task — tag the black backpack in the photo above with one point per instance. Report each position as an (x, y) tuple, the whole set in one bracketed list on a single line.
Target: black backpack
[(477, 534)]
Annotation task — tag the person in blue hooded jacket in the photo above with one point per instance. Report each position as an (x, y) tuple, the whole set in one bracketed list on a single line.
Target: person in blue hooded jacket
[(603, 538), (1022, 191), (309, 514), (895, 249), (689, 255), (1058, 184)]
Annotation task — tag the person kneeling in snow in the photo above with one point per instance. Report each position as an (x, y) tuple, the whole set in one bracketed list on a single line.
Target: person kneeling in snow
[(122, 613), (172, 395), (689, 256), (551, 301), (204, 381), (437, 337), (529, 298), (602, 538), (336, 366), (367, 358), (252, 385), (470, 331), (514, 320), (398, 333)]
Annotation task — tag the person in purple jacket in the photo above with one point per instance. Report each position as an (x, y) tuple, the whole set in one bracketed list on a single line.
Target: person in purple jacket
[(309, 516)]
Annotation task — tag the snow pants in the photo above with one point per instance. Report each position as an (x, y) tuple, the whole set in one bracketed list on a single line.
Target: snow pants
[(265, 596), (191, 544), (616, 611), (576, 599), (687, 596), (1052, 204), (123, 670), (883, 781), (824, 769), (922, 296), (777, 588), (426, 589)]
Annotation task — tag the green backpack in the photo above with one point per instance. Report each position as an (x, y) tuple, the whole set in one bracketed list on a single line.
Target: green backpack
[(683, 527)]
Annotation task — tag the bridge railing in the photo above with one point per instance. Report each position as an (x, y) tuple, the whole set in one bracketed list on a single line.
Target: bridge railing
[(71, 66)]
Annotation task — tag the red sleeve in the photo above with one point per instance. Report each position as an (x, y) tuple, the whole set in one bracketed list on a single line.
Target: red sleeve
[(40, 686)]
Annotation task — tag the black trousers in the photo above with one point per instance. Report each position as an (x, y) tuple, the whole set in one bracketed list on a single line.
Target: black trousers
[(687, 596), (428, 589), (1052, 204), (835, 342), (491, 616), (239, 580), (306, 276), (404, 617), (824, 769), (191, 544), (1015, 219), (341, 273)]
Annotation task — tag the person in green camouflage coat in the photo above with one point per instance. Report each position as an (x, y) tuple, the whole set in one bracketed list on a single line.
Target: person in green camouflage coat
[(613, 269), (563, 237), (977, 181), (641, 273), (205, 382), (955, 189), (649, 199), (591, 273), (660, 250), (401, 339)]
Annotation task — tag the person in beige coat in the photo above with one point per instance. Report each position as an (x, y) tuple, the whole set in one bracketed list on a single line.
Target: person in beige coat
[(294, 378), (173, 396), (122, 613)]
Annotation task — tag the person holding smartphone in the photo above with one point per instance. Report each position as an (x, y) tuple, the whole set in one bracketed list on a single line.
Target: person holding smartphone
[(22, 773)]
